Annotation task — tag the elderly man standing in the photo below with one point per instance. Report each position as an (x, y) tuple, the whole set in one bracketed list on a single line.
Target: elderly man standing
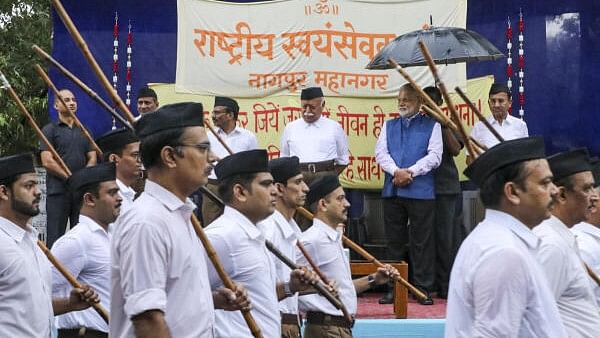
[(497, 287), (408, 149), (558, 252)]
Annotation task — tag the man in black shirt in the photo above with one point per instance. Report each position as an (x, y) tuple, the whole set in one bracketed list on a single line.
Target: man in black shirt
[(76, 152)]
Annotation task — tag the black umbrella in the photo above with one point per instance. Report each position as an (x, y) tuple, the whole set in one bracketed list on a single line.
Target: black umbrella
[(446, 44)]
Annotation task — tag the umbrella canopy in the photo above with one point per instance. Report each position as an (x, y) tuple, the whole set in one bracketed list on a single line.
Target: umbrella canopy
[(446, 45)]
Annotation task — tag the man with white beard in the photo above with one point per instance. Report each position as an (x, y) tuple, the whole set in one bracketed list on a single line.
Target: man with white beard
[(408, 149)]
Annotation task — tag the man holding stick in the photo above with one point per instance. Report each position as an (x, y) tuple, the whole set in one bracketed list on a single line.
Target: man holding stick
[(160, 285), (72, 146), (26, 302), (497, 287), (323, 243), (85, 249)]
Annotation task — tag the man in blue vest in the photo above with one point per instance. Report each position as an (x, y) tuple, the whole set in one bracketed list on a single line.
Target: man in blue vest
[(408, 149)]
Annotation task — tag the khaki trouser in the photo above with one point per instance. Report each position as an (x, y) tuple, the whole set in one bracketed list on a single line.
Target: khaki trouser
[(290, 331), (326, 331), (210, 210)]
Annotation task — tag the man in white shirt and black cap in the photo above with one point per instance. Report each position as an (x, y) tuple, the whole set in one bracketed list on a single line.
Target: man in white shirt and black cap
[(558, 253), (247, 188), (85, 249), (497, 287), (319, 142), (122, 147), (225, 118), (323, 242), (587, 234), (160, 285), (26, 305), (281, 230)]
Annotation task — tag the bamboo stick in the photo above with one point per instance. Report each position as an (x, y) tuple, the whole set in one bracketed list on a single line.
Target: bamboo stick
[(479, 115)]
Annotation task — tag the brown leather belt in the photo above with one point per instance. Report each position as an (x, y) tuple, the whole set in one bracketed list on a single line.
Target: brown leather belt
[(316, 167), (290, 319), (320, 318)]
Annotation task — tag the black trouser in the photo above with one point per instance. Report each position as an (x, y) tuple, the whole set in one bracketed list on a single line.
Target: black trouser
[(59, 208), (448, 236), (81, 333), (418, 236)]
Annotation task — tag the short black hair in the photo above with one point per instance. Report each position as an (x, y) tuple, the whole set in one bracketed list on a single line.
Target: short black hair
[(232, 112), (226, 185), (8, 181), (152, 144), (500, 88), (435, 94), (567, 182), (92, 188), (492, 188)]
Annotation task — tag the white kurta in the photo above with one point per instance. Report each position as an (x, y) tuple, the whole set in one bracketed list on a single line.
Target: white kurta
[(85, 251), (239, 139), (283, 235), (324, 245), (241, 248), (158, 263), (568, 279), (588, 241), (510, 129), (25, 284), (497, 288), (314, 142)]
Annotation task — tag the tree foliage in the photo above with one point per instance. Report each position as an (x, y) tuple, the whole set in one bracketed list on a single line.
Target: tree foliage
[(22, 24)]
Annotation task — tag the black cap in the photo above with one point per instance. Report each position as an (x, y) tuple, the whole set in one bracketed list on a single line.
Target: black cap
[(170, 116), (499, 88), (569, 163), (284, 168), (146, 92), (503, 154), (322, 187), (595, 163), (116, 140), (244, 162), (311, 93), (15, 165), (99, 173), (227, 102)]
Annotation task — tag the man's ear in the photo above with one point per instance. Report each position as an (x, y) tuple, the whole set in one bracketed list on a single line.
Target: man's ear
[(114, 158), (4, 192), (322, 205), (512, 193), (280, 188), (167, 156), (88, 199), (561, 195), (240, 193)]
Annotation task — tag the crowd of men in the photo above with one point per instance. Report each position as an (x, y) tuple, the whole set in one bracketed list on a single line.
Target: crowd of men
[(520, 273)]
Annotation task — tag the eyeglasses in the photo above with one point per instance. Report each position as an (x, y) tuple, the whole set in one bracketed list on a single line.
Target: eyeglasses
[(204, 146)]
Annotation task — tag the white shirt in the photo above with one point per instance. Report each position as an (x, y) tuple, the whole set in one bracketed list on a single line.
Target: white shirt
[(588, 241), (424, 165), (568, 279), (239, 139), (25, 284), (158, 263), (314, 142), (510, 129), (324, 245), (241, 248), (85, 252), (497, 288), (127, 194), (283, 235)]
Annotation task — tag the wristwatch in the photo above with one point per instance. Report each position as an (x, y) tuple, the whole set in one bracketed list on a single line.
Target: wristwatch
[(371, 280), (287, 291)]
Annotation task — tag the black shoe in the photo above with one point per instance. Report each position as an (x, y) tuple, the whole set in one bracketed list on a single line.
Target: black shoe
[(426, 301), (388, 298)]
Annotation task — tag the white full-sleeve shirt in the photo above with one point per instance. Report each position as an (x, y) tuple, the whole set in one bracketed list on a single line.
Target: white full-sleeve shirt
[(127, 194), (241, 248), (239, 139), (158, 263), (85, 252), (25, 284), (319, 141), (588, 241), (324, 245), (432, 160), (510, 129), (283, 234), (568, 279), (497, 288)]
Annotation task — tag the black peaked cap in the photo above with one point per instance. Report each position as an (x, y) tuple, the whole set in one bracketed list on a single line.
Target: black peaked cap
[(170, 116), (227, 102), (284, 168), (322, 187), (15, 165), (569, 163), (115, 140), (244, 162), (97, 174), (311, 93)]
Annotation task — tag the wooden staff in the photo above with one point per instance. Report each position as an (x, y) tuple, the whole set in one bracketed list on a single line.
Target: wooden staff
[(51, 85), (479, 115), (82, 85), (449, 104), (477, 147), (64, 16), (68, 276), (370, 258), (592, 274), (214, 132)]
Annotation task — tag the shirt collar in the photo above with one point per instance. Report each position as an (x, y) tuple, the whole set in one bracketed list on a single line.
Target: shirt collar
[(125, 190), (235, 130), (167, 198), (562, 230), (90, 224), (250, 229), (318, 123), (589, 229), (331, 233), (508, 120), (286, 228), (514, 225), (16, 232)]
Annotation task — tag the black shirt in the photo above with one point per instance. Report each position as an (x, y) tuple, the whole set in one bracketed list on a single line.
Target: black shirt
[(71, 145), (446, 175)]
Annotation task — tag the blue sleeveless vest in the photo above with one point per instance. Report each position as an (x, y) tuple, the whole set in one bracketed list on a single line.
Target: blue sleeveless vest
[(406, 145)]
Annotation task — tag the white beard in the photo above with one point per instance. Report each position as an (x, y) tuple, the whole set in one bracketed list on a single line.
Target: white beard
[(405, 113)]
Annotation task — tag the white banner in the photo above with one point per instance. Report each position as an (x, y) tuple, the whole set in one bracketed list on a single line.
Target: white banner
[(278, 47)]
